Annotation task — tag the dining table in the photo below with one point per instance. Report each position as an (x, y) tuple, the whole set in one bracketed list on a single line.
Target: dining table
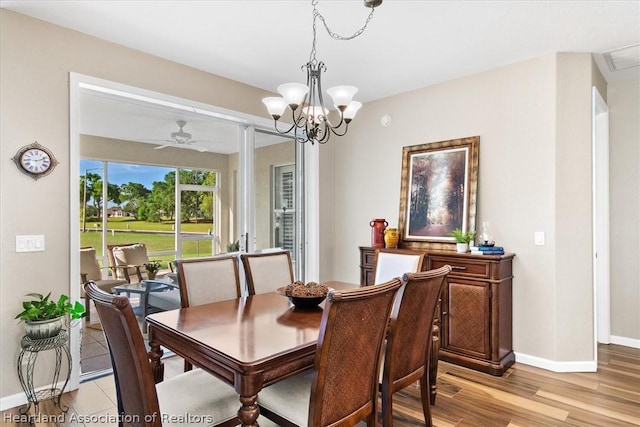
[(249, 342)]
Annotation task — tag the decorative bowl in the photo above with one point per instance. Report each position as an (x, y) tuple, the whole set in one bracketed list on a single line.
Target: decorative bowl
[(302, 302)]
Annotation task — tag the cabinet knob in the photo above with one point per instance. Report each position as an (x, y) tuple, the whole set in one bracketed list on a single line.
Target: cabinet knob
[(458, 267)]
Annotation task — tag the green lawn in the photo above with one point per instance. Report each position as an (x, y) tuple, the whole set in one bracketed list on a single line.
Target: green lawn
[(158, 237)]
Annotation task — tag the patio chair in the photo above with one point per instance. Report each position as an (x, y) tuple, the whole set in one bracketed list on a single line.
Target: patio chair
[(127, 261), (90, 270), (192, 397), (409, 345), (342, 389)]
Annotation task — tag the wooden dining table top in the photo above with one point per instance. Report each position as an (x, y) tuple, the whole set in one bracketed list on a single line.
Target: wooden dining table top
[(248, 342)]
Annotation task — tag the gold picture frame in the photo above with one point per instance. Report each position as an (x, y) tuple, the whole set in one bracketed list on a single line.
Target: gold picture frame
[(438, 192)]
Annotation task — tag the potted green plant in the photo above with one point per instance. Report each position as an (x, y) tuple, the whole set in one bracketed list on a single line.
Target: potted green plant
[(233, 246), (152, 268), (44, 317), (462, 239)]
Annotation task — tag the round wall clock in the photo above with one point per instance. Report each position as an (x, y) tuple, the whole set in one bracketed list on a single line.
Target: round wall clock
[(35, 160)]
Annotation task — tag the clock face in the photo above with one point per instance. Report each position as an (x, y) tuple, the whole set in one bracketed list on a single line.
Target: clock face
[(35, 161)]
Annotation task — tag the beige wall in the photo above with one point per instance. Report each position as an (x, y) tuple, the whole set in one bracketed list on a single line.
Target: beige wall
[(36, 59), (624, 148), (534, 123)]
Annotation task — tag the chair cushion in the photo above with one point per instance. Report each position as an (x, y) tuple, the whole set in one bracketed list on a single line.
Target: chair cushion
[(289, 398), (167, 300), (89, 264), (130, 255), (213, 402)]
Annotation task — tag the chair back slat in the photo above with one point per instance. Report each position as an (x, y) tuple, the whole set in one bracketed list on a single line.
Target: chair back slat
[(347, 361)]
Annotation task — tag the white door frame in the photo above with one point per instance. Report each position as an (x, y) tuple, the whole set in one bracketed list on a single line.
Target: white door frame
[(247, 125), (601, 255)]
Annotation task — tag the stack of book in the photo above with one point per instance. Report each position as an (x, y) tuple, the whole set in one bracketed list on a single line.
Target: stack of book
[(487, 250)]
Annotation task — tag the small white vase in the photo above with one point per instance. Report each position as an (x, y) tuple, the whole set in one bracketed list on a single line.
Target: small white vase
[(462, 248)]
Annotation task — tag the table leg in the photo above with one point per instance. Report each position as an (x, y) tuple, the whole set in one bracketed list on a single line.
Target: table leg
[(249, 411), (155, 355), (433, 362), (144, 305)]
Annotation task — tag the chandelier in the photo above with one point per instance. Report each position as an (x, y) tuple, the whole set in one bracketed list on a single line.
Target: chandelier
[(308, 112)]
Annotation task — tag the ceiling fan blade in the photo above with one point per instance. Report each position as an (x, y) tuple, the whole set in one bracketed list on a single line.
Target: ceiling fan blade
[(199, 148)]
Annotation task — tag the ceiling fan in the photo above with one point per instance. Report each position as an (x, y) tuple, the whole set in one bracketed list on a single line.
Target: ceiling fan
[(183, 139)]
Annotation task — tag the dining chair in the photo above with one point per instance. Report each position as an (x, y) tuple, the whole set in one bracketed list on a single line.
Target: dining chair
[(342, 388), (188, 398), (90, 270), (205, 280), (409, 340), (267, 271), (394, 263)]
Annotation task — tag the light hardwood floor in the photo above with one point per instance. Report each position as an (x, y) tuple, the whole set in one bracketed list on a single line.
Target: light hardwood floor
[(524, 396)]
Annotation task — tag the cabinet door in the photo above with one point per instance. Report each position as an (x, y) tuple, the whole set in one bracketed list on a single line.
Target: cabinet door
[(466, 318)]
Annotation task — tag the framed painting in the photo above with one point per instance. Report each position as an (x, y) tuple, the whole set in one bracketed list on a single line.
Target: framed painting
[(438, 192)]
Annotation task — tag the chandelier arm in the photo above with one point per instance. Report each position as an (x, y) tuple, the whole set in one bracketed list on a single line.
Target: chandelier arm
[(335, 130), (275, 125)]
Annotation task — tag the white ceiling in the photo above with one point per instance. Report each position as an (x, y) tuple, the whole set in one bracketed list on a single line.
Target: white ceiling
[(407, 45)]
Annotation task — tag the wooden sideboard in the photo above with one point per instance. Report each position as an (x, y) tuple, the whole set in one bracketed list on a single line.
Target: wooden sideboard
[(475, 309)]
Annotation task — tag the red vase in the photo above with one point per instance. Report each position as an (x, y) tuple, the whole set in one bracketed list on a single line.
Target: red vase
[(378, 225)]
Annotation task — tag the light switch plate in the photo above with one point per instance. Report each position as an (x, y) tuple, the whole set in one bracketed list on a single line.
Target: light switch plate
[(538, 238), (32, 243)]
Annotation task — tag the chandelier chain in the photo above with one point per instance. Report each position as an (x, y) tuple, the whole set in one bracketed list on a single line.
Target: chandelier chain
[(332, 34)]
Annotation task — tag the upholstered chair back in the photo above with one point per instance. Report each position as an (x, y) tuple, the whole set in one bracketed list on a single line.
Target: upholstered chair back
[(390, 264), (205, 280), (266, 272)]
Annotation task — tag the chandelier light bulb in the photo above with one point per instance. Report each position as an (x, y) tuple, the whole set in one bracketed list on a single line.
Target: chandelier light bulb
[(293, 93), (342, 95), (351, 111), (275, 106)]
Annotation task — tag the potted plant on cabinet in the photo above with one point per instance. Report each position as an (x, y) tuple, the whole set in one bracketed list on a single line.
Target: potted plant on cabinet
[(463, 239), (44, 317)]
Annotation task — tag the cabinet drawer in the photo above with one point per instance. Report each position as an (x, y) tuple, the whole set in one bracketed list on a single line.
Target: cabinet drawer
[(463, 267), (367, 257)]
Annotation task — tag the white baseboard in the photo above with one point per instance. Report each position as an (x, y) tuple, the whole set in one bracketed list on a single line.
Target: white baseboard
[(627, 342), (20, 399), (12, 401), (552, 365)]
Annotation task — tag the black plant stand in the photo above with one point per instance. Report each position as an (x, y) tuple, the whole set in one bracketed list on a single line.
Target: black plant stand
[(27, 362)]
